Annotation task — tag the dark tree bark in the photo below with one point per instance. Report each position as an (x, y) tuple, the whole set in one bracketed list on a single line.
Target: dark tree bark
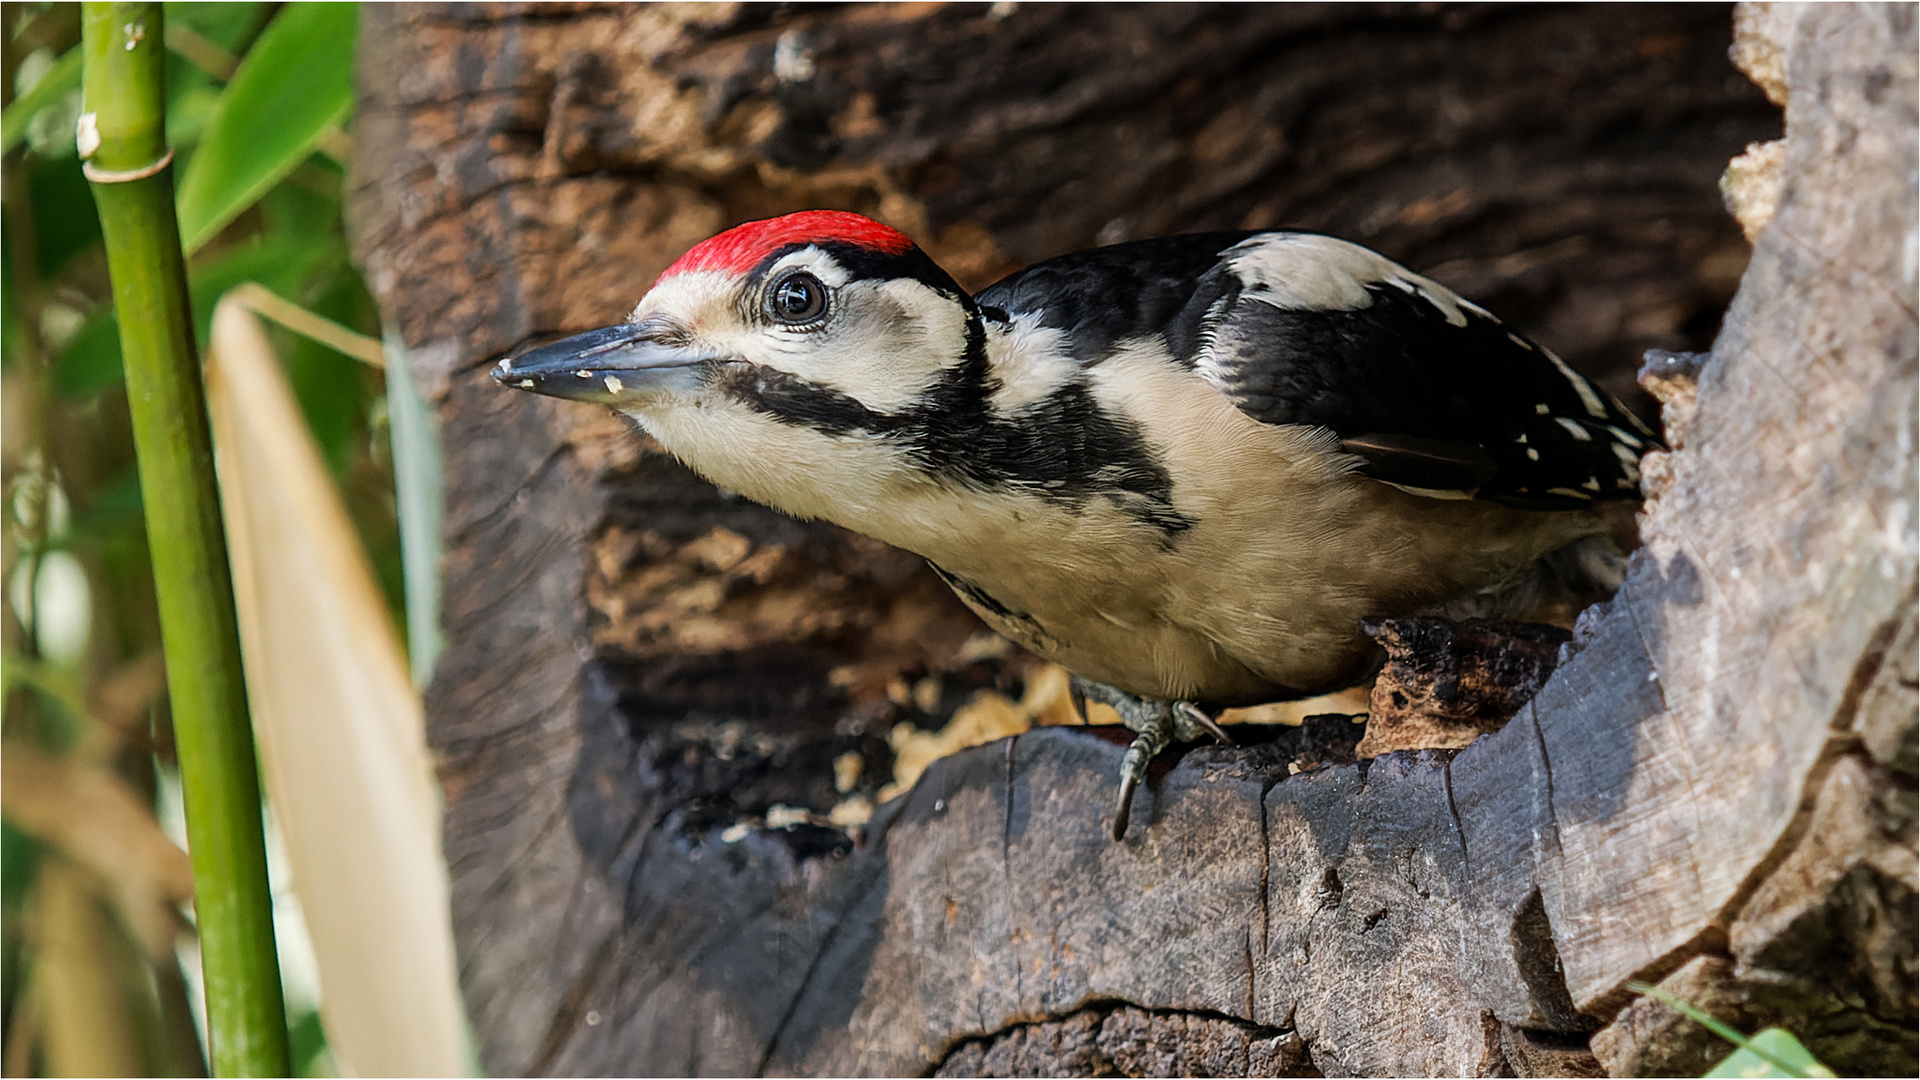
[(653, 692)]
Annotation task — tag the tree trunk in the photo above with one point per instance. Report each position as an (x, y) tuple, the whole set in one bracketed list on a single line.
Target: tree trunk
[(663, 711)]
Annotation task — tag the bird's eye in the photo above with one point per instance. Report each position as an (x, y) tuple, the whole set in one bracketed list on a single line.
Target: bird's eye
[(797, 299)]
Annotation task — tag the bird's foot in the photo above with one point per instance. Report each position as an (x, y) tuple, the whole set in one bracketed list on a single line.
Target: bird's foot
[(1155, 724)]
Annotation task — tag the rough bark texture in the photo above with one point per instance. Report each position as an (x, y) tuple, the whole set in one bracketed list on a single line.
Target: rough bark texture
[(1446, 684), (660, 704), (1125, 1041)]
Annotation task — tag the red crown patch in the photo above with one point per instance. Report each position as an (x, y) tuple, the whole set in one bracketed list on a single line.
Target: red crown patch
[(741, 248)]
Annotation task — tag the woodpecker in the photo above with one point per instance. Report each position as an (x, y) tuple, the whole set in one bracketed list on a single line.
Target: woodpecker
[(1184, 468)]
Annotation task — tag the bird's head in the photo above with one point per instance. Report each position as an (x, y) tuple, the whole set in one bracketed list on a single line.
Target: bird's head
[(822, 318), (819, 346)]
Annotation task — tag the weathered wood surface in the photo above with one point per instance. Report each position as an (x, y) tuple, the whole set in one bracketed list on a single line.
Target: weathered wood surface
[(1445, 684), (641, 668), (1778, 565)]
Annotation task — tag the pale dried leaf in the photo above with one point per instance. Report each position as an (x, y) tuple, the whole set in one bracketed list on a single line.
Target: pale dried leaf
[(93, 818), (339, 725)]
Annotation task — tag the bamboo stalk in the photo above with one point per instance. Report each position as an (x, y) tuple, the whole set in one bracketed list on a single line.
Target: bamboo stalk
[(123, 137)]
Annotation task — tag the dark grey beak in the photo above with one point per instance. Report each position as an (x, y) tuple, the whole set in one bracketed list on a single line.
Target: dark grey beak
[(610, 365)]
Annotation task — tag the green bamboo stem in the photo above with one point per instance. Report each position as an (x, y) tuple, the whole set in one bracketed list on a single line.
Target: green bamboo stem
[(122, 87)]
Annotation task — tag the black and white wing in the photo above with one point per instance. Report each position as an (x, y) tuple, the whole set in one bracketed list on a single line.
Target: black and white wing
[(1428, 391), (1431, 392)]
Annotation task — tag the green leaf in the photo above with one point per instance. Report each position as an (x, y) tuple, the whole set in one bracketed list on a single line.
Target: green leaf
[(64, 222), (187, 116), (307, 1040), (114, 507), (62, 77), (307, 206), (19, 856), (294, 84), (13, 327), (91, 361), (333, 391), (1772, 1052), (419, 481), (227, 25)]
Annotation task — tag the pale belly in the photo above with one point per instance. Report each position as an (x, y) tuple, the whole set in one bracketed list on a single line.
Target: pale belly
[(1157, 659), (1240, 608)]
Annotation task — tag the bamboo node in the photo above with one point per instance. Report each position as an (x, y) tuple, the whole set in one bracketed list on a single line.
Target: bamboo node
[(123, 176)]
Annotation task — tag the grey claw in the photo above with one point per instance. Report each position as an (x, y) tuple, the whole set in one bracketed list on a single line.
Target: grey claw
[(1154, 723), (1133, 769), (1079, 697), (1123, 809), (1193, 712)]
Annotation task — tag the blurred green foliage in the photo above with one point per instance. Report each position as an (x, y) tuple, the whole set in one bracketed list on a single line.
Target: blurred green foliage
[(259, 100), (294, 86)]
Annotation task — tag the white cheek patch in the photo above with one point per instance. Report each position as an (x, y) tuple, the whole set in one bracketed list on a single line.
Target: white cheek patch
[(1320, 273), (1029, 362), (883, 345)]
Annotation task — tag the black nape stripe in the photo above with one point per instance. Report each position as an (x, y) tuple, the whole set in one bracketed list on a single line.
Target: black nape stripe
[(1064, 448)]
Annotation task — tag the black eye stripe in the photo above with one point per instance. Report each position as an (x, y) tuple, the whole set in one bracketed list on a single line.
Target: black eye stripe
[(796, 299)]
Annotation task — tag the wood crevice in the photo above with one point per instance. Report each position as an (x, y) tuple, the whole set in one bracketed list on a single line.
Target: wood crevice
[(1101, 1008)]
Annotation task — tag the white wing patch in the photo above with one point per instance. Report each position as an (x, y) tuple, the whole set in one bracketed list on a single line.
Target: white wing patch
[(1574, 428), (1595, 407), (1299, 271), (1626, 437), (1629, 462)]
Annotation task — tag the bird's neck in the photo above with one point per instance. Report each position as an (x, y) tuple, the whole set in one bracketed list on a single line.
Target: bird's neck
[(1008, 429)]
